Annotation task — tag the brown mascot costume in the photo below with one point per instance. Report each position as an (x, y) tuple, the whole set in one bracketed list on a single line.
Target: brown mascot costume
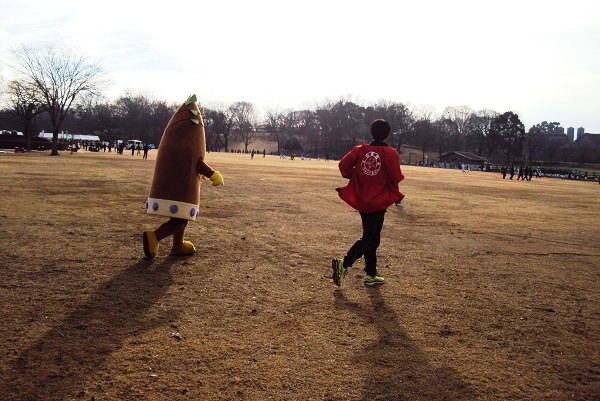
[(179, 169)]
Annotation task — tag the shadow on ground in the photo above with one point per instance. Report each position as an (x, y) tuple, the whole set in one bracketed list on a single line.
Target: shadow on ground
[(55, 367), (394, 367)]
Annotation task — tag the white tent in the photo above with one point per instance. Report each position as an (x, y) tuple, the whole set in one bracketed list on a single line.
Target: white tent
[(9, 132), (68, 137)]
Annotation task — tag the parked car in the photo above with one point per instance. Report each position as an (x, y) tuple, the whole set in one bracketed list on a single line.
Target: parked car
[(133, 144)]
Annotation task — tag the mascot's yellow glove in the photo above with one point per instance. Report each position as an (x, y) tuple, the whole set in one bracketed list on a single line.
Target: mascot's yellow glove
[(217, 179)]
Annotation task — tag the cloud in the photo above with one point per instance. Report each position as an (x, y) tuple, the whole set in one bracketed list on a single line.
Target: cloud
[(521, 55)]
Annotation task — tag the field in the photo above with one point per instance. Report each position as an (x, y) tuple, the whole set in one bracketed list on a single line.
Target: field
[(492, 287)]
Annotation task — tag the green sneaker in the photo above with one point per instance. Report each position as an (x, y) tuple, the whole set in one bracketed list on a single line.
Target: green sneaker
[(376, 279), (339, 271)]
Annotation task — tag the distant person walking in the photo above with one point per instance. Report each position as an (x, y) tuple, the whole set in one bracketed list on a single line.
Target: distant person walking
[(374, 174), (503, 172), (146, 149), (521, 172), (512, 171)]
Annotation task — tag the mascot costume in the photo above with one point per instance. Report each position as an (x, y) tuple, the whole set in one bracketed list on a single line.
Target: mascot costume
[(179, 170)]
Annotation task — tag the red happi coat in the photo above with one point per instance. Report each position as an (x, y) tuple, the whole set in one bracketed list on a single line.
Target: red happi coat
[(374, 173)]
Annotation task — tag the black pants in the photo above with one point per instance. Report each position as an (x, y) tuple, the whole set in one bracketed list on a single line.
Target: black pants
[(372, 223)]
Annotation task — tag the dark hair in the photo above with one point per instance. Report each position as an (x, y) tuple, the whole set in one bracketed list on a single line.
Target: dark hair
[(380, 129)]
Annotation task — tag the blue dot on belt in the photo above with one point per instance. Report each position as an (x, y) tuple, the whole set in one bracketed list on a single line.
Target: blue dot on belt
[(155, 206), (146, 204), (173, 208), (193, 212)]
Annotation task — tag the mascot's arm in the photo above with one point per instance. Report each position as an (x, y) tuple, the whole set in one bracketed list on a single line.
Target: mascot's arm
[(204, 169)]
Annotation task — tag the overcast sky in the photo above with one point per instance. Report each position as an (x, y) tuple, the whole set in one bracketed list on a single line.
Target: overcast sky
[(540, 59)]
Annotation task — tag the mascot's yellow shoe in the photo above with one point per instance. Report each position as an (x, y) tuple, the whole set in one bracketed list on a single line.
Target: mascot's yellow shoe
[(185, 248), (150, 244)]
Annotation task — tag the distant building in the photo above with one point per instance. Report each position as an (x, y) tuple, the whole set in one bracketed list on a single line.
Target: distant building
[(571, 134), (585, 149), (456, 159), (589, 138), (580, 132)]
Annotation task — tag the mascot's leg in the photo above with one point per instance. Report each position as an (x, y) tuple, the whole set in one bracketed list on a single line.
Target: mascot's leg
[(174, 227), (178, 235), (171, 227), (180, 246), (150, 244)]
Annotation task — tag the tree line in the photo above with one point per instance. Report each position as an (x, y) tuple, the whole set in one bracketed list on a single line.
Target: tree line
[(63, 90)]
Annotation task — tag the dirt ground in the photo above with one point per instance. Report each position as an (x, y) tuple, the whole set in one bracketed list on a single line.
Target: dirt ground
[(492, 287)]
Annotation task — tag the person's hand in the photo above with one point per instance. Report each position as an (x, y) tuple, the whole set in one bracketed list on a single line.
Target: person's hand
[(217, 179)]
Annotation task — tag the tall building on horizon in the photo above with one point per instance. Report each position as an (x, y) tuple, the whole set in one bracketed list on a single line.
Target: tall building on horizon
[(571, 134), (580, 132)]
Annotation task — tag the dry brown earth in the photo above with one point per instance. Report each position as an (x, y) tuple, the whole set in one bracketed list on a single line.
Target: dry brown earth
[(492, 293)]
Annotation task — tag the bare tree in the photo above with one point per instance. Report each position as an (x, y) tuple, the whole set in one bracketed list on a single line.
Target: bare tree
[(218, 123), (552, 146), (309, 132), (21, 99), (443, 129), (477, 128), (426, 129), (83, 112), (587, 150), (292, 124), (245, 120), (424, 134), (459, 116), (300, 128), (399, 117), (326, 126), (424, 112), (274, 126), (534, 142), (161, 113), (339, 125), (107, 119), (349, 121), (58, 76), (133, 110)]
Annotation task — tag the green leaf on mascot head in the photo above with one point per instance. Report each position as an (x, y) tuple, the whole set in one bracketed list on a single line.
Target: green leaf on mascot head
[(195, 121), (194, 112), (191, 99)]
